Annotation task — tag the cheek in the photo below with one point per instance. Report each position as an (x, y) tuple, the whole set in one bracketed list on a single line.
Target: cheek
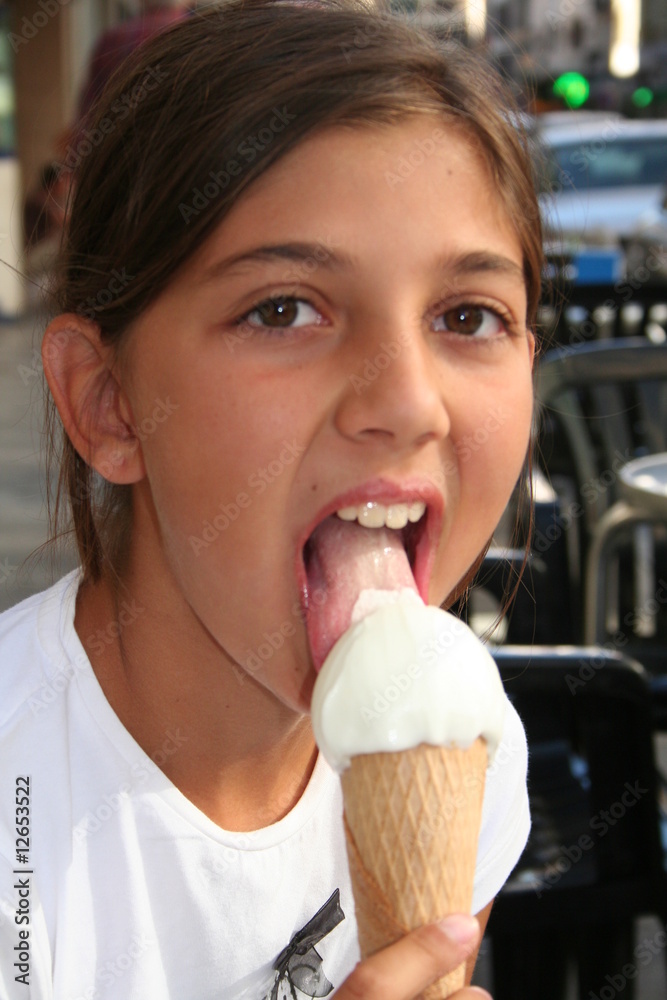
[(490, 451), (212, 451), (493, 446)]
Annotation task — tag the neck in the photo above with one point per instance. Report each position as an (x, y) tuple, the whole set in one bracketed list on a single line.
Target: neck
[(226, 742)]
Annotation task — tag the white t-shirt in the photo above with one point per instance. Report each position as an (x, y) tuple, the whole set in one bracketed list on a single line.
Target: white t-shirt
[(119, 888)]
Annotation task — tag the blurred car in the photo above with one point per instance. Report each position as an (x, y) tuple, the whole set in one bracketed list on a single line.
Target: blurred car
[(646, 246), (599, 177)]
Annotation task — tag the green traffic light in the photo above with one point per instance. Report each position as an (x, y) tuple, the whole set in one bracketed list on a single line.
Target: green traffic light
[(642, 97), (573, 88)]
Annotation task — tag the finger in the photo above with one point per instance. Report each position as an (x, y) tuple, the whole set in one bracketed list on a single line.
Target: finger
[(404, 969)]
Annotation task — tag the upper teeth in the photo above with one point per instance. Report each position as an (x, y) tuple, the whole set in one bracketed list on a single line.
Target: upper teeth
[(379, 515)]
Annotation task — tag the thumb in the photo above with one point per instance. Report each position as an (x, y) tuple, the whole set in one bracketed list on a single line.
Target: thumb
[(404, 969)]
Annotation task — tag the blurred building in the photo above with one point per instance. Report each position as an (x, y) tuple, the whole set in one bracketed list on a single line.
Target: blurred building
[(549, 37), (654, 39), (50, 42), (46, 45), (619, 39), (45, 51), (535, 41)]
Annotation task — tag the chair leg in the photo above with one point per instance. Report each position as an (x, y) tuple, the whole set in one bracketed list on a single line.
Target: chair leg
[(529, 965), (602, 953)]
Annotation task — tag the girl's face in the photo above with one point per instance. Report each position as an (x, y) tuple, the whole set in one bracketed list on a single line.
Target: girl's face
[(353, 331)]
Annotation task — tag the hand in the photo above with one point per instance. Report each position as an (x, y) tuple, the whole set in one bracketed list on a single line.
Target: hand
[(404, 969)]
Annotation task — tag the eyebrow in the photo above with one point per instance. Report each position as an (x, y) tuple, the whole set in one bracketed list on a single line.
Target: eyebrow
[(483, 261), (474, 262), (295, 253)]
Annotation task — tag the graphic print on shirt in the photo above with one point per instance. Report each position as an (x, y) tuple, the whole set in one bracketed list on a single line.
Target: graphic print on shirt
[(299, 965)]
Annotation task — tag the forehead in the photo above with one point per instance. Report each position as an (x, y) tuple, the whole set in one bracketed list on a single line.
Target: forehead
[(414, 185)]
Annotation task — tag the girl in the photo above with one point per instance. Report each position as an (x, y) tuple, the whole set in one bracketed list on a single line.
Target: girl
[(300, 273)]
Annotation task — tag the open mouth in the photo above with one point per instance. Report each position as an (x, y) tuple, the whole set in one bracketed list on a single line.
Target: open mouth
[(410, 535), (367, 546)]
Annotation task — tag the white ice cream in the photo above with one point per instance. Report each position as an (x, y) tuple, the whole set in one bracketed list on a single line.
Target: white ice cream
[(403, 674)]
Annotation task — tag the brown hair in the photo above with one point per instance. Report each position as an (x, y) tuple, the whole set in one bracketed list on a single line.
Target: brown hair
[(201, 111)]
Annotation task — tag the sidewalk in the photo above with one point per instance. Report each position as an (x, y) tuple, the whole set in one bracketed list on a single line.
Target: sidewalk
[(23, 526)]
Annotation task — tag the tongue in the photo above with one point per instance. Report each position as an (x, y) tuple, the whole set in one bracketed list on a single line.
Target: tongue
[(344, 560)]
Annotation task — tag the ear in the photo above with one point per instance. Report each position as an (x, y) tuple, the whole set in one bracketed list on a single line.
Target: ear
[(531, 347), (93, 407)]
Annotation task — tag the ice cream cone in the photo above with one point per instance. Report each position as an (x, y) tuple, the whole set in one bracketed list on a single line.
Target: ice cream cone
[(412, 822)]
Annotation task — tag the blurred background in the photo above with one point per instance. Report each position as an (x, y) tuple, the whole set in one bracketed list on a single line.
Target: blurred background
[(583, 653)]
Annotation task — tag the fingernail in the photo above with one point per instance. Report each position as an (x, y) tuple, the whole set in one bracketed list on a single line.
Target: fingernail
[(459, 927)]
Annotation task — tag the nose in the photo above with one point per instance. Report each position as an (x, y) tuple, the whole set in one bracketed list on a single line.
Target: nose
[(395, 393)]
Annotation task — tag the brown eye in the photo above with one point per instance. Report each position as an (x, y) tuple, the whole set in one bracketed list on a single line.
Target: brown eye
[(282, 313), (470, 321), (467, 319), (278, 312)]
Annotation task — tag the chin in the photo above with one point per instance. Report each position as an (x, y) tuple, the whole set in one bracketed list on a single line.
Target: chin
[(297, 695)]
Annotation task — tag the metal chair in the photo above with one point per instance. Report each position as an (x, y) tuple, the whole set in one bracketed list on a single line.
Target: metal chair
[(594, 861), (602, 405)]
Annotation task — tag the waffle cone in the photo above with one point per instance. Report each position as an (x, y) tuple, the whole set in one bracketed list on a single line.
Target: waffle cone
[(412, 823)]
